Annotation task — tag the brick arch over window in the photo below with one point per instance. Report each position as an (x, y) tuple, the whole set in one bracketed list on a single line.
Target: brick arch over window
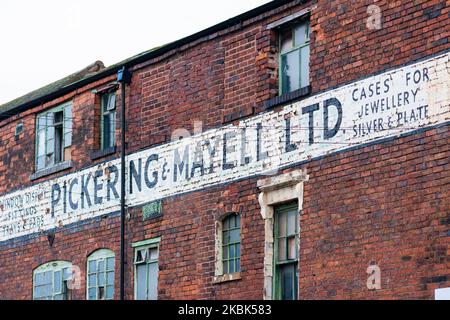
[(227, 267)]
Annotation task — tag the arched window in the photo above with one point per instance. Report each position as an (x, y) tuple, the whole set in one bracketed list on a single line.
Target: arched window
[(50, 281), (100, 275), (231, 244)]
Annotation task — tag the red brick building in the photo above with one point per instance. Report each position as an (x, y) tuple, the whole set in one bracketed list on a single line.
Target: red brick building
[(313, 164)]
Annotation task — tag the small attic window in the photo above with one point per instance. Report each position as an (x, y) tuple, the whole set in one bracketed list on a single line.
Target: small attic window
[(19, 129)]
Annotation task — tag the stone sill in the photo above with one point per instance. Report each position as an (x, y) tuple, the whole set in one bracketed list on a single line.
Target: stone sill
[(103, 153), (287, 98), (51, 170), (227, 278)]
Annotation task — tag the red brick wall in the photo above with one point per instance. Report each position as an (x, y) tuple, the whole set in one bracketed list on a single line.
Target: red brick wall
[(385, 203)]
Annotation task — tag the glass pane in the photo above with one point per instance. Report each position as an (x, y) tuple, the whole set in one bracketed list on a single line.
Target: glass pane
[(92, 266), (67, 273), (57, 282), (105, 99), (153, 281), (47, 291), (154, 254), (38, 279), (141, 284), (282, 249), (106, 131), (287, 282), (231, 265), (41, 143), (101, 278), (238, 250), (225, 267), (92, 293), (301, 34), (112, 134), (226, 238), (41, 122), (304, 66), (292, 248), (292, 222), (47, 277), (110, 278), (238, 265), (286, 40), (226, 224), (281, 224), (110, 264), (111, 101), (290, 71), (101, 265), (238, 221), (92, 280), (109, 292), (40, 162), (235, 235), (232, 252), (225, 253)]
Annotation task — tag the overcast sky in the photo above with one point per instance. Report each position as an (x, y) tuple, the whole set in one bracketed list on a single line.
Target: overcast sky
[(43, 41)]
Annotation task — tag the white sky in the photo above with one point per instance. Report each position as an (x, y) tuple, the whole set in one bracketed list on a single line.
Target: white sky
[(46, 40)]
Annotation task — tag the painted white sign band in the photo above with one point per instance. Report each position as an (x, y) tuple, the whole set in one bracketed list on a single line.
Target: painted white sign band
[(381, 106)]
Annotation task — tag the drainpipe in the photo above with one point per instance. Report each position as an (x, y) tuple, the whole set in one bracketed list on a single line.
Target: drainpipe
[(123, 77)]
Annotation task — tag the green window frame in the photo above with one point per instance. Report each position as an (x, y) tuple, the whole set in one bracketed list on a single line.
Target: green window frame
[(286, 236), (50, 281), (231, 244), (100, 275), (146, 256), (53, 135), (108, 120), (294, 56)]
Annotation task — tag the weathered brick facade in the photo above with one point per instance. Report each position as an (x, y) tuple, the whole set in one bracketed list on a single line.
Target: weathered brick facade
[(385, 202)]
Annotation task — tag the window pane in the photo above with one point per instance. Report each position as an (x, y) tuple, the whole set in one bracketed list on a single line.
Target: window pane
[(225, 267), (292, 248), (281, 224), (101, 278), (101, 265), (231, 270), (237, 250), (41, 143), (292, 222), (68, 126), (225, 252), (238, 265), (286, 40), (154, 254), (92, 293), (141, 284), (57, 282), (282, 249), (92, 280), (110, 264), (109, 292), (106, 131), (301, 34), (41, 122), (290, 71), (226, 238), (304, 66), (110, 278), (112, 134), (226, 224), (235, 235), (153, 281), (238, 221), (92, 266), (287, 282)]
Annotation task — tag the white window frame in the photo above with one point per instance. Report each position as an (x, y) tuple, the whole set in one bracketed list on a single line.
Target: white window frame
[(145, 245), (100, 255), (53, 266)]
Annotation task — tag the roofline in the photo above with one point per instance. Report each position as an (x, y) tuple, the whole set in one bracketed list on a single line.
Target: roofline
[(142, 58)]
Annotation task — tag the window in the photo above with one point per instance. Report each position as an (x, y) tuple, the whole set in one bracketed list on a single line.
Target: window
[(50, 281), (108, 120), (100, 275), (146, 270), (294, 57), (286, 252), (54, 136), (231, 244)]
